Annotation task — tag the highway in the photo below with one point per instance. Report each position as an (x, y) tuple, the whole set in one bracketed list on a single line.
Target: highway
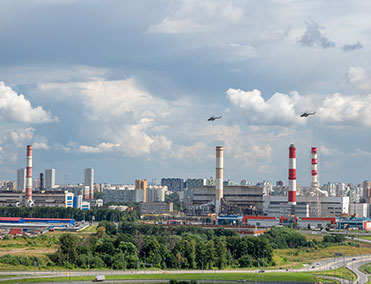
[(351, 262)]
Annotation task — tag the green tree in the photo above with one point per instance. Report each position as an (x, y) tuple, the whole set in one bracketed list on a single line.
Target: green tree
[(110, 227), (210, 253), (221, 252), (245, 261), (68, 248)]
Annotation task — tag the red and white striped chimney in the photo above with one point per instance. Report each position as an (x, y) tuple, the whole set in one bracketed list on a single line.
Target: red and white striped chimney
[(314, 183), (292, 175), (219, 179), (29, 173)]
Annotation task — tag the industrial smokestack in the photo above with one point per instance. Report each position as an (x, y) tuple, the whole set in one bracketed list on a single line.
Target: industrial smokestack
[(314, 183), (219, 178), (292, 175), (41, 181), (29, 174)]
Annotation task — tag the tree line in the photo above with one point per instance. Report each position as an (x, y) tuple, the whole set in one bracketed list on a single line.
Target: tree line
[(133, 245), (97, 214), (179, 247)]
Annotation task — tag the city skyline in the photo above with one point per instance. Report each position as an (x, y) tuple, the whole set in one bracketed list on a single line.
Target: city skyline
[(127, 88)]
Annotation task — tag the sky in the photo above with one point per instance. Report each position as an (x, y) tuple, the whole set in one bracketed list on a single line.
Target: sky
[(126, 87)]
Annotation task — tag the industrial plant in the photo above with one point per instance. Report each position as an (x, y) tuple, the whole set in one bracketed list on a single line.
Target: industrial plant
[(261, 205)]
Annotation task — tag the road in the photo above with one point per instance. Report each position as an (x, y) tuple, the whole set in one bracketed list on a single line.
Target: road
[(351, 262)]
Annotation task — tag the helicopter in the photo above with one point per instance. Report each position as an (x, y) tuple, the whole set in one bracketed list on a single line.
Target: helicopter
[(212, 118), (306, 114)]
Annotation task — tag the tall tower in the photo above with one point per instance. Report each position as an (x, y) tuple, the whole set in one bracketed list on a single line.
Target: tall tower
[(41, 181), (21, 180), (219, 179), (292, 175), (89, 181), (314, 181), (29, 174), (49, 178)]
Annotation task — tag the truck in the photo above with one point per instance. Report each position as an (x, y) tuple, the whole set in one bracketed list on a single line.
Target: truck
[(99, 278)]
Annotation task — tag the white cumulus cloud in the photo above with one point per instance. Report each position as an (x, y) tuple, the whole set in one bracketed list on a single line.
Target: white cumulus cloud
[(102, 147), (40, 145), (359, 78), (16, 108), (285, 110), (190, 16), (346, 110), (278, 110), (124, 112)]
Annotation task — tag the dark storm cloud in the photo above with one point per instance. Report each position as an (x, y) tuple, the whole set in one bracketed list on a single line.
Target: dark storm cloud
[(313, 36), (351, 47)]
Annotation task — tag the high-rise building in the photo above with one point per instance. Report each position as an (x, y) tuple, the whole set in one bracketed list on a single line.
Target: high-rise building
[(173, 184), (195, 182), (156, 193), (49, 178), (367, 191), (21, 180), (89, 181), (142, 184)]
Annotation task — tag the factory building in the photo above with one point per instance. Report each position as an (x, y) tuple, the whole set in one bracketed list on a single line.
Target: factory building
[(329, 206), (316, 222), (46, 199), (85, 205), (261, 221), (123, 195), (155, 207), (354, 224), (194, 182), (68, 199), (236, 200), (361, 210)]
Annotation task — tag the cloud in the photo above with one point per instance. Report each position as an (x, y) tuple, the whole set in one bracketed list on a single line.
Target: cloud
[(284, 110), (351, 47), (191, 16), (359, 78), (236, 51), (22, 136), (256, 154), (361, 153), (123, 111), (278, 110), (346, 110), (16, 108), (327, 151), (101, 148), (313, 37), (40, 145), (195, 152), (12, 141), (168, 26), (109, 100)]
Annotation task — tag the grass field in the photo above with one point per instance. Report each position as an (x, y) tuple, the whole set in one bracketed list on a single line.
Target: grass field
[(289, 277), (295, 257), (341, 272), (89, 229), (366, 268), (364, 237)]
